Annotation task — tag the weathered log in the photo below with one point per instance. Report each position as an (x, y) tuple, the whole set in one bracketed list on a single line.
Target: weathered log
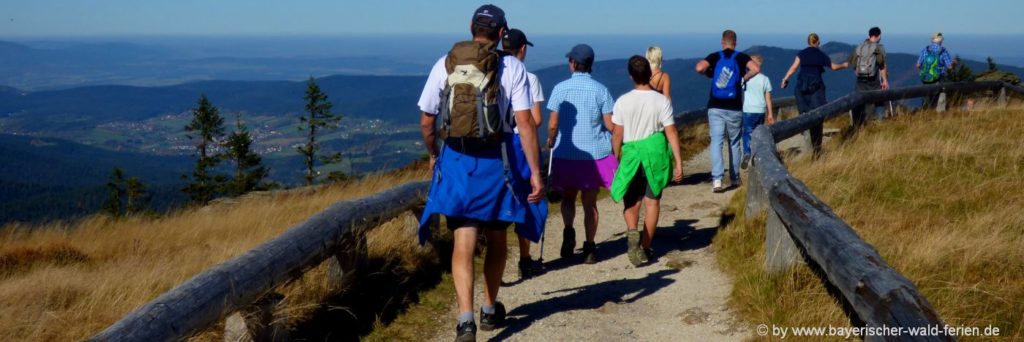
[(198, 303)]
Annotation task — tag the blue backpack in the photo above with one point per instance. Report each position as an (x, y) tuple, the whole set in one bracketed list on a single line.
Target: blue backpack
[(931, 67), (727, 75)]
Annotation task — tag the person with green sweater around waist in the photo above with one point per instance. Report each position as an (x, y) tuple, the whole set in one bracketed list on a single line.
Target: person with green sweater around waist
[(645, 140)]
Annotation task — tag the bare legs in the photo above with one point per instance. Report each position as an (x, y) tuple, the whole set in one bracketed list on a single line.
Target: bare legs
[(462, 265), (652, 209), (590, 215)]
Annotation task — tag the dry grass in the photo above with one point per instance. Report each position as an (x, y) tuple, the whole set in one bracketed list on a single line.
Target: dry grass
[(938, 195), (68, 281)]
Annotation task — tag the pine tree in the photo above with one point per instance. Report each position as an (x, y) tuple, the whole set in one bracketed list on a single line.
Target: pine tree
[(115, 193), (991, 64), (136, 196), (961, 72), (319, 116), (209, 126), (249, 169)]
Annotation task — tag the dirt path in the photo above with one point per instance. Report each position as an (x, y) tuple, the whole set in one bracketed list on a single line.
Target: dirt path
[(681, 296)]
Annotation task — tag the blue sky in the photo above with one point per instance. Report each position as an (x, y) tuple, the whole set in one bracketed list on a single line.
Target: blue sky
[(24, 18)]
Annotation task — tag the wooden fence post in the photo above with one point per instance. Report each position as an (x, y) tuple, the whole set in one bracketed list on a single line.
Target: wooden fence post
[(345, 262), (257, 323), (1001, 101), (780, 252), (941, 106), (757, 197)]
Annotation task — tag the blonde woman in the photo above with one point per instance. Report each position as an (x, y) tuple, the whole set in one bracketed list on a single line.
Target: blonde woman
[(660, 81)]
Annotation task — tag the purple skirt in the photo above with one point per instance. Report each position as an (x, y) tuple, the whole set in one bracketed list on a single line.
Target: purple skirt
[(583, 175)]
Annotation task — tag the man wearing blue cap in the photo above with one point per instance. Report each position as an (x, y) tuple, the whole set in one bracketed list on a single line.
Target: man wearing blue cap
[(471, 184), (582, 147)]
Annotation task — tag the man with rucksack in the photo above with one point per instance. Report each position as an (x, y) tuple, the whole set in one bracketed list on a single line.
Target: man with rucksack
[(728, 70), (933, 64), (514, 43), (868, 60), (480, 95)]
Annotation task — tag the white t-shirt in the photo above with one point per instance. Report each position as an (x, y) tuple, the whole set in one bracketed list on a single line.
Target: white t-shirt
[(536, 91), (642, 113), (514, 88), (753, 95)]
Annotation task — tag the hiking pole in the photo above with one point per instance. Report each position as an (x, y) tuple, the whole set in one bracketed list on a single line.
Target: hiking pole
[(551, 159), (892, 113)]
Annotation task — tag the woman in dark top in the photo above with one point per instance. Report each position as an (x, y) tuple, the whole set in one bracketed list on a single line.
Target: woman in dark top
[(810, 88)]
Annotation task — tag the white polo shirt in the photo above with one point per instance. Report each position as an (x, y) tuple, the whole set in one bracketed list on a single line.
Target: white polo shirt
[(515, 88)]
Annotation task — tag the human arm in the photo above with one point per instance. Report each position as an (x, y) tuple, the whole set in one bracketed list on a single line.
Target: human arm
[(429, 136), (607, 117), (883, 66), (752, 70), (702, 68), (677, 156), (885, 78), (552, 129), (840, 66), (528, 136), (535, 114), (617, 141), (666, 86), (790, 72), (770, 118)]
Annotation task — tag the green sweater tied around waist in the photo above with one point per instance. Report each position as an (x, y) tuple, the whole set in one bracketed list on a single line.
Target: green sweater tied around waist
[(654, 154)]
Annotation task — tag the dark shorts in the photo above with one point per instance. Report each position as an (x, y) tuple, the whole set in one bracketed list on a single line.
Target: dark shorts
[(638, 189), (460, 222)]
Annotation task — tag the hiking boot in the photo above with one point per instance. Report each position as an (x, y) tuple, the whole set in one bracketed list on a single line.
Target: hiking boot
[(490, 321), (589, 252), (745, 162), (568, 242), (529, 268), (465, 332), (716, 186), (633, 248)]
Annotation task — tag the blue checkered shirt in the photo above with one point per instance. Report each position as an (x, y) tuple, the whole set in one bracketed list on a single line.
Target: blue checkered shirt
[(581, 103), (944, 60)]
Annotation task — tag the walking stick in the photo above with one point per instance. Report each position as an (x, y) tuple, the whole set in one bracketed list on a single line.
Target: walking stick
[(551, 158)]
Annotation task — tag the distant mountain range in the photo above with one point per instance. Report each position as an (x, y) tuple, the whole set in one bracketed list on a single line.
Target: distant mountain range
[(44, 177)]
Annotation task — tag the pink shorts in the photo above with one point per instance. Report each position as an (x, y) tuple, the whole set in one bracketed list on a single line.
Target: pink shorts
[(583, 174)]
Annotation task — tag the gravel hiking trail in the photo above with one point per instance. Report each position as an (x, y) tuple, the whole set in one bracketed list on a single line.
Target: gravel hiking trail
[(680, 296)]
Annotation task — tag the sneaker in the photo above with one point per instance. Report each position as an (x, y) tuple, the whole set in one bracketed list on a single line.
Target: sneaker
[(745, 162), (589, 252), (716, 186), (491, 321), (633, 247), (465, 332), (568, 242)]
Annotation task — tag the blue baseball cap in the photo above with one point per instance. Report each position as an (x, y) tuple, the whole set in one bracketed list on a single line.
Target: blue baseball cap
[(490, 16), (582, 54)]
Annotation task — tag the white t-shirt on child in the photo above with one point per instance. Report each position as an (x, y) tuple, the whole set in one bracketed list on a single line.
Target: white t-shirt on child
[(642, 113), (753, 95)]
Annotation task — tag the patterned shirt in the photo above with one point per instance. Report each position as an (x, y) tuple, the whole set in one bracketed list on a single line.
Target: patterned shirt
[(944, 60), (581, 103)]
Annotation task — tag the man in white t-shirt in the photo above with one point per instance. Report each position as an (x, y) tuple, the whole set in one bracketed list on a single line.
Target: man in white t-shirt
[(514, 42), (645, 164), (757, 102), (475, 196)]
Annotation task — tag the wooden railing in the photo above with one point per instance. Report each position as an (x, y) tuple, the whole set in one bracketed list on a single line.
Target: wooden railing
[(798, 223), (243, 287), (245, 284)]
